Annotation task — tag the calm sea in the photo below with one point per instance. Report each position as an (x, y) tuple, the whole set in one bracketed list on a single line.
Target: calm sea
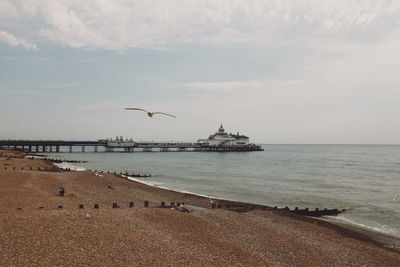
[(363, 179)]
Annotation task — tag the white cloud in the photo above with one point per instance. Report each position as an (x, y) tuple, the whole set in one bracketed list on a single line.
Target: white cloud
[(240, 85), (14, 41), (347, 66), (61, 85), (159, 24), (98, 106)]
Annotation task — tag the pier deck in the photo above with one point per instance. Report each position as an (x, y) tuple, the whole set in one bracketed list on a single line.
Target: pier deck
[(120, 146)]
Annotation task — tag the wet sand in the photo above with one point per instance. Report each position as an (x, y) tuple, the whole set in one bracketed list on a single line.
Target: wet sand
[(238, 235)]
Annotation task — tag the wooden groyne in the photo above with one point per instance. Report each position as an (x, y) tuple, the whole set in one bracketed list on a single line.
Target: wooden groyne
[(313, 213)]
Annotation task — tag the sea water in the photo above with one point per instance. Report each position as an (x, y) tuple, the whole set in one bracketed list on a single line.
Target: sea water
[(363, 179)]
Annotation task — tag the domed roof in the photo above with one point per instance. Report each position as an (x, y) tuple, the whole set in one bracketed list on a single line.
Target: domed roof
[(221, 129)]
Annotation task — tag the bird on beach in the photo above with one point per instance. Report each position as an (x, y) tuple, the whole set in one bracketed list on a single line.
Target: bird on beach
[(150, 114)]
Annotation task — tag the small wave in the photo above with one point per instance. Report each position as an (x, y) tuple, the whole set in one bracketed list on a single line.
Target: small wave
[(381, 229), (167, 188), (34, 157), (143, 182), (66, 165)]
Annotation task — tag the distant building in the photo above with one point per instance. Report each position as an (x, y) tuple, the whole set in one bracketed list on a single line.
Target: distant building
[(223, 138)]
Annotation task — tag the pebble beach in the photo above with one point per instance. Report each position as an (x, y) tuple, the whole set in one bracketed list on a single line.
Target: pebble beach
[(40, 228)]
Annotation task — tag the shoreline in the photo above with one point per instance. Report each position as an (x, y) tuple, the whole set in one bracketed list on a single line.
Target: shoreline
[(237, 232), (384, 240)]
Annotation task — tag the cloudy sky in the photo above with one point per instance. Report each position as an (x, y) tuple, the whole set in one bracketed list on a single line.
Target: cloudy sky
[(284, 71)]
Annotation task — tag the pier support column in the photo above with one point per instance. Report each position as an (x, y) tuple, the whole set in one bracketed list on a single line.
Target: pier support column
[(95, 149), (57, 149), (70, 149), (51, 148), (43, 148), (37, 149), (30, 148), (83, 149)]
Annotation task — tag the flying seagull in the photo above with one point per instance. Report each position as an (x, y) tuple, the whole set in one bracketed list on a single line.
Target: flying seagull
[(150, 114)]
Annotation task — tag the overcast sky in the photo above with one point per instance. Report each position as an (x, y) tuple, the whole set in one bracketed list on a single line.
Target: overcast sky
[(278, 71)]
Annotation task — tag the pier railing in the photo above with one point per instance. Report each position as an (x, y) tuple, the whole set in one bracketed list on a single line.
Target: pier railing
[(120, 146)]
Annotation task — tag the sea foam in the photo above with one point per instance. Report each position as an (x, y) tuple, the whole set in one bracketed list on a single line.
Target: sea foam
[(66, 165)]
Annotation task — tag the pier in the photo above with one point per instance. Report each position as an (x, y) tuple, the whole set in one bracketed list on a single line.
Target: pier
[(120, 145)]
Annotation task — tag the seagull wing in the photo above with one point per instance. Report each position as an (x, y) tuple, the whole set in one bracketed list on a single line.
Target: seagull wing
[(137, 109), (164, 114)]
